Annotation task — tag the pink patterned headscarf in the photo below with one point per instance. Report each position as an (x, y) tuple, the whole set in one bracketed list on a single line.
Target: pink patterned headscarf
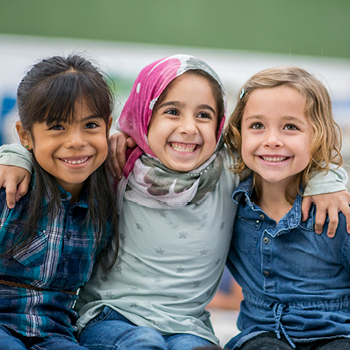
[(149, 85)]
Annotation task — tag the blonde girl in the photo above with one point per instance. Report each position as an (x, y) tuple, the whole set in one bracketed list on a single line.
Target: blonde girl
[(296, 284)]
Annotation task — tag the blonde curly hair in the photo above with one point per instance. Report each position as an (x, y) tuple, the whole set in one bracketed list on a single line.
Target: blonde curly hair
[(326, 140)]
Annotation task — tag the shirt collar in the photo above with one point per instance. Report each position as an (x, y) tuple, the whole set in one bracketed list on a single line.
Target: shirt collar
[(291, 220), (66, 196)]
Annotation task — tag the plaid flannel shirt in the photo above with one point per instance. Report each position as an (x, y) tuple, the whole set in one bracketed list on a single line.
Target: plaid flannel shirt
[(59, 260)]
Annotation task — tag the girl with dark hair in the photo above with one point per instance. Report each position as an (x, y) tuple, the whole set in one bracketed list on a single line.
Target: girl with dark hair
[(52, 238)]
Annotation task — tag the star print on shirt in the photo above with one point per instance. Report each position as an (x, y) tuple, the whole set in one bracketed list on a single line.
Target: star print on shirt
[(158, 280), (122, 236), (183, 235), (222, 226), (118, 269), (110, 295), (204, 252), (140, 226), (162, 213), (204, 215), (159, 251), (180, 269)]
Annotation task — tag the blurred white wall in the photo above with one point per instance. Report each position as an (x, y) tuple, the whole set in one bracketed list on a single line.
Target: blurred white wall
[(122, 62)]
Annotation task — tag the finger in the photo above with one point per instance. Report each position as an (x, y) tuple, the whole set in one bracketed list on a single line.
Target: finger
[(320, 219), (23, 186), (345, 209), (117, 148), (116, 169), (11, 189), (121, 157), (305, 207), (333, 222), (130, 142)]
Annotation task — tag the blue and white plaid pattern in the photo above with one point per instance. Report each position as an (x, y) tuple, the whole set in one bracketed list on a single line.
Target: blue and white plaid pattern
[(60, 258)]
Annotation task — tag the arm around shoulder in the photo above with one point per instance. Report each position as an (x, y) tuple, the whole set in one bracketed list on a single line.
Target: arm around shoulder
[(333, 181), (16, 155)]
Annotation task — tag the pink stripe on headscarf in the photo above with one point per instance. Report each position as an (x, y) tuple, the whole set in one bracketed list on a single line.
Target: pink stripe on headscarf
[(148, 86)]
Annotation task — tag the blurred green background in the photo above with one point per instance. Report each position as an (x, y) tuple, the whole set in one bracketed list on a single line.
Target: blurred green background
[(295, 27)]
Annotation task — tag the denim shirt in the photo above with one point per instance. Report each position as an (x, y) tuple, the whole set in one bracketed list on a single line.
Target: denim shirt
[(295, 282), (55, 264)]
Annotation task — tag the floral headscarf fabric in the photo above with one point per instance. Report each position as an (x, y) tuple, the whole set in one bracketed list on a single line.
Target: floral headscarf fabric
[(134, 121)]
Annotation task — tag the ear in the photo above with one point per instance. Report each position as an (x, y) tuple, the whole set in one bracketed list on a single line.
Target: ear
[(110, 120), (24, 136)]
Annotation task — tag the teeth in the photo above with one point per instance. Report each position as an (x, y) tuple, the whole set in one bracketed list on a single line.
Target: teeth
[(181, 148), (75, 161), (274, 159)]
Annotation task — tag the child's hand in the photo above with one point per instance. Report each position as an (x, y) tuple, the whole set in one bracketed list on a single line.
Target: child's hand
[(331, 204), (16, 181), (117, 145)]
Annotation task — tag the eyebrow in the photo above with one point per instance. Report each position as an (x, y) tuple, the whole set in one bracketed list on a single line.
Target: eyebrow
[(286, 118), (91, 117), (180, 104)]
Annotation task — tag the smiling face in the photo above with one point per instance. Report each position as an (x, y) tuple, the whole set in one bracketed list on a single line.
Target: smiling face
[(182, 131), (69, 151), (276, 135)]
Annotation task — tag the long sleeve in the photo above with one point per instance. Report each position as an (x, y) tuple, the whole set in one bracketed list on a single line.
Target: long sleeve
[(335, 180), (15, 154)]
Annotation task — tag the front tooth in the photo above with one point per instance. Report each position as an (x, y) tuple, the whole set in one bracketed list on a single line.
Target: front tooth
[(75, 161), (270, 159), (182, 149)]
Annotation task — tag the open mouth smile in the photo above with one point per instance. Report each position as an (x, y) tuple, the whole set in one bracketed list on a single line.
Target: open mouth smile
[(76, 161), (183, 147), (274, 159)]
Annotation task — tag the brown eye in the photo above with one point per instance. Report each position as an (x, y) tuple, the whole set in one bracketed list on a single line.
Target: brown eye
[(257, 126), (291, 127)]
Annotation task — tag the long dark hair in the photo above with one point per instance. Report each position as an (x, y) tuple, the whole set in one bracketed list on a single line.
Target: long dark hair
[(49, 92)]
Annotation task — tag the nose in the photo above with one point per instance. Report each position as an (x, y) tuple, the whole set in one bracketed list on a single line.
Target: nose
[(273, 139), (75, 139), (188, 125)]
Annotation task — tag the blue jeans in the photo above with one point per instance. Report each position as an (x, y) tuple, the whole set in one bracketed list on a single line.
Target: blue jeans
[(12, 341), (112, 331)]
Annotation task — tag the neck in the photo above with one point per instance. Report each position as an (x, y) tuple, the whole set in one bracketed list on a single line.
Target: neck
[(272, 199)]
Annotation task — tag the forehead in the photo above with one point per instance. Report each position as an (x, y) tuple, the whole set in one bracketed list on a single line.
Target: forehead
[(277, 101), (71, 113), (190, 85)]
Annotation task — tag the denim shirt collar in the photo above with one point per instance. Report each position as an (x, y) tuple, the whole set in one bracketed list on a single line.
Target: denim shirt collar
[(291, 220)]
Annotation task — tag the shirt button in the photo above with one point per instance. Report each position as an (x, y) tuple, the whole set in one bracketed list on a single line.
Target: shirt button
[(69, 235), (266, 240), (266, 273), (262, 216)]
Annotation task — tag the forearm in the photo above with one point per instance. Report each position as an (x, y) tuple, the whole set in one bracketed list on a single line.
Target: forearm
[(333, 181), (16, 155)]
